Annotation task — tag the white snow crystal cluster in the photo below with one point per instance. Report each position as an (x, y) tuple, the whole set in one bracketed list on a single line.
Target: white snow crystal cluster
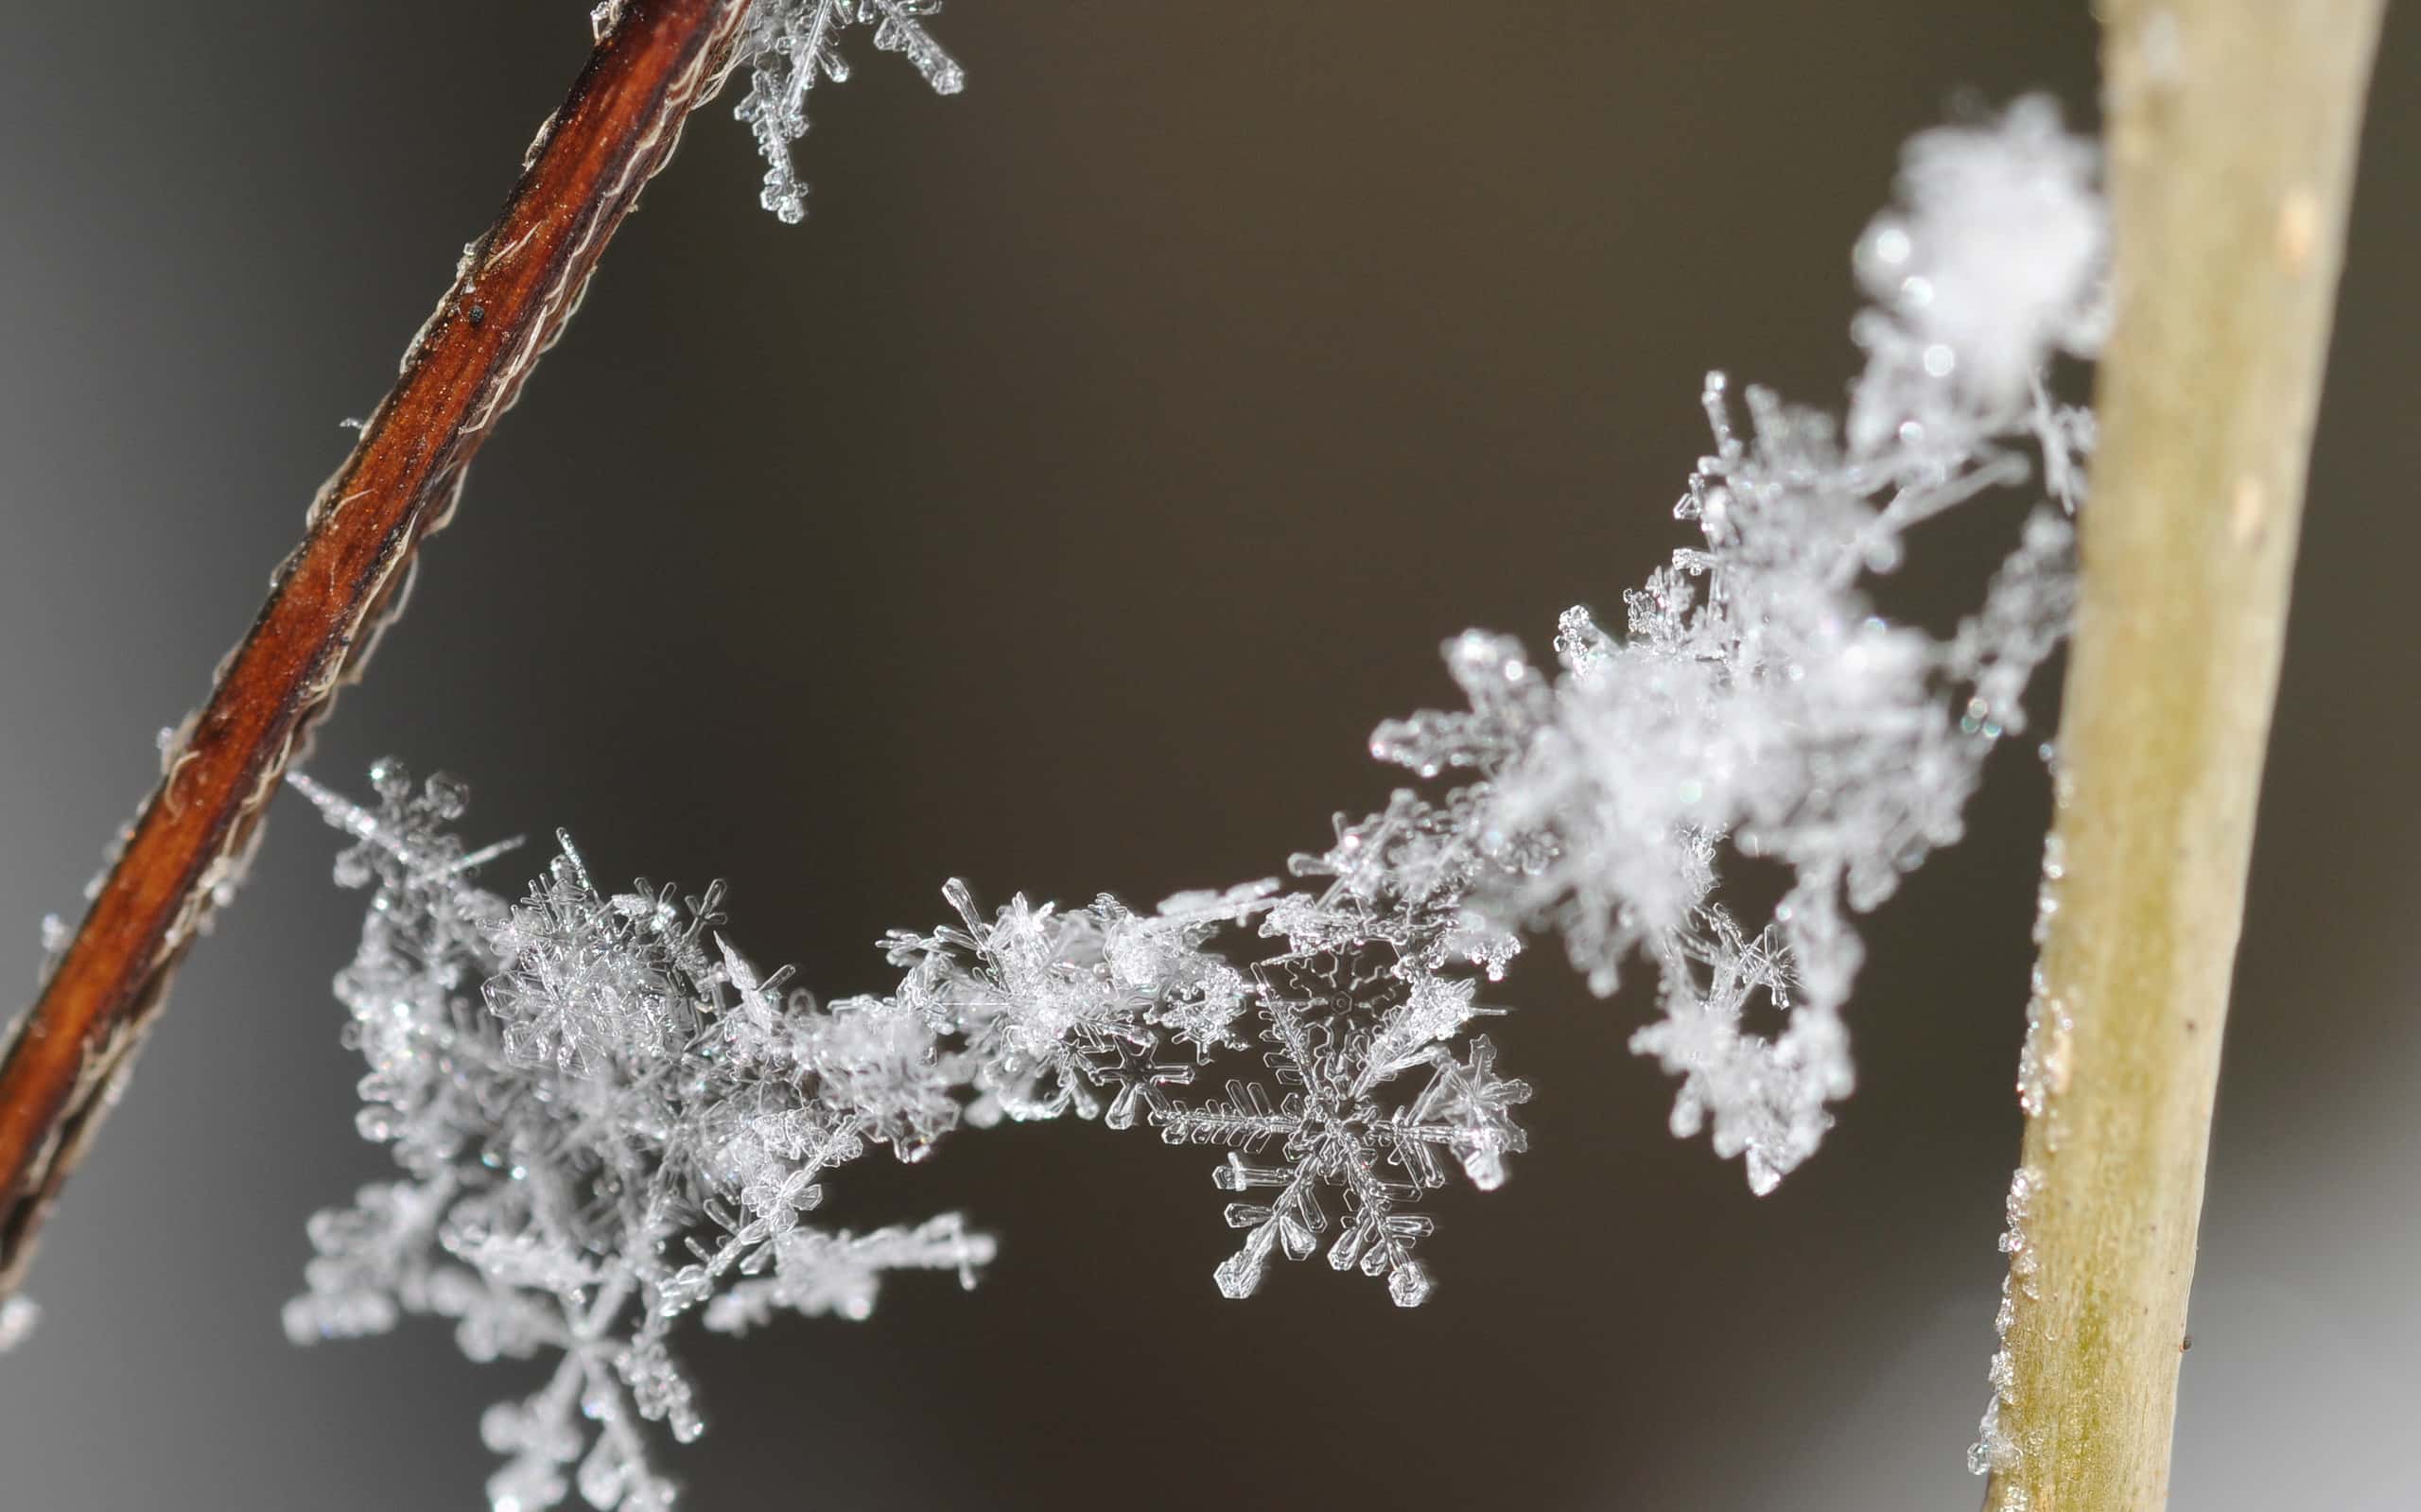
[(18, 1316), (606, 1117), (1756, 704), (1993, 261), (790, 44)]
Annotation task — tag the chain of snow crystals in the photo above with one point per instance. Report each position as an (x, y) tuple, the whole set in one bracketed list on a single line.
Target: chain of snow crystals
[(607, 1118)]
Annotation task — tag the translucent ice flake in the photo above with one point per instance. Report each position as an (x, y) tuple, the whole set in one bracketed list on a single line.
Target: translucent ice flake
[(1333, 1133), (790, 44)]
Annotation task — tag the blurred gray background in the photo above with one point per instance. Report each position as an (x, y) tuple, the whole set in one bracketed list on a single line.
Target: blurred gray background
[(1059, 507)]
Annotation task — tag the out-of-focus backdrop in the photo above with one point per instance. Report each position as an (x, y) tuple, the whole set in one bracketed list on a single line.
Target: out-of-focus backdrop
[(1060, 507)]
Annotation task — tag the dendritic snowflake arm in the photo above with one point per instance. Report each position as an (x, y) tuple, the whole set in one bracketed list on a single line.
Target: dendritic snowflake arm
[(791, 45), (840, 1273)]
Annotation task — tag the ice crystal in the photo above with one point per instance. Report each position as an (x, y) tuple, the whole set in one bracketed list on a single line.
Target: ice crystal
[(604, 1117), (1331, 1130), (1105, 1013), (1756, 704), (790, 44), (1992, 260), (608, 1118), (1995, 1450)]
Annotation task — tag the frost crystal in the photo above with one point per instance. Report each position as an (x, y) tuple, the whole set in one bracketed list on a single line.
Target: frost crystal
[(608, 1118), (790, 44), (1993, 260), (605, 1117), (18, 1315), (1105, 1013), (1995, 1450), (1757, 705)]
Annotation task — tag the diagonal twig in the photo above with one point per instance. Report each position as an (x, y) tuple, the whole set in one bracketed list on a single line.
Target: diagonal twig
[(514, 288)]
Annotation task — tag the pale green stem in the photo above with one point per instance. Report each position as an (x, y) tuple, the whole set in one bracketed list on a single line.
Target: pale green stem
[(2231, 127)]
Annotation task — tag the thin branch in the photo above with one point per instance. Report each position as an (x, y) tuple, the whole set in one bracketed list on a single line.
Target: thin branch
[(514, 288), (2232, 127)]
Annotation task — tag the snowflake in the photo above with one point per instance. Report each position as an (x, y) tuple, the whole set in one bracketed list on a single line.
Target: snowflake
[(1337, 1041), (790, 44)]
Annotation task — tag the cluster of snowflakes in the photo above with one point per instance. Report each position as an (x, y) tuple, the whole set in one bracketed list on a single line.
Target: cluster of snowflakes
[(1757, 703), (790, 44), (606, 1117)]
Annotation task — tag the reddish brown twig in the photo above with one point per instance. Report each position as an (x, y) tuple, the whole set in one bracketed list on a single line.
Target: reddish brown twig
[(511, 296)]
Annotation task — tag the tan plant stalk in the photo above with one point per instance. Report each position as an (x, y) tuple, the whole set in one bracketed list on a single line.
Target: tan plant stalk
[(2231, 127)]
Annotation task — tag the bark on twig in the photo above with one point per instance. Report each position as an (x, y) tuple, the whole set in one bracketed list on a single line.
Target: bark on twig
[(514, 288), (2232, 127)]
